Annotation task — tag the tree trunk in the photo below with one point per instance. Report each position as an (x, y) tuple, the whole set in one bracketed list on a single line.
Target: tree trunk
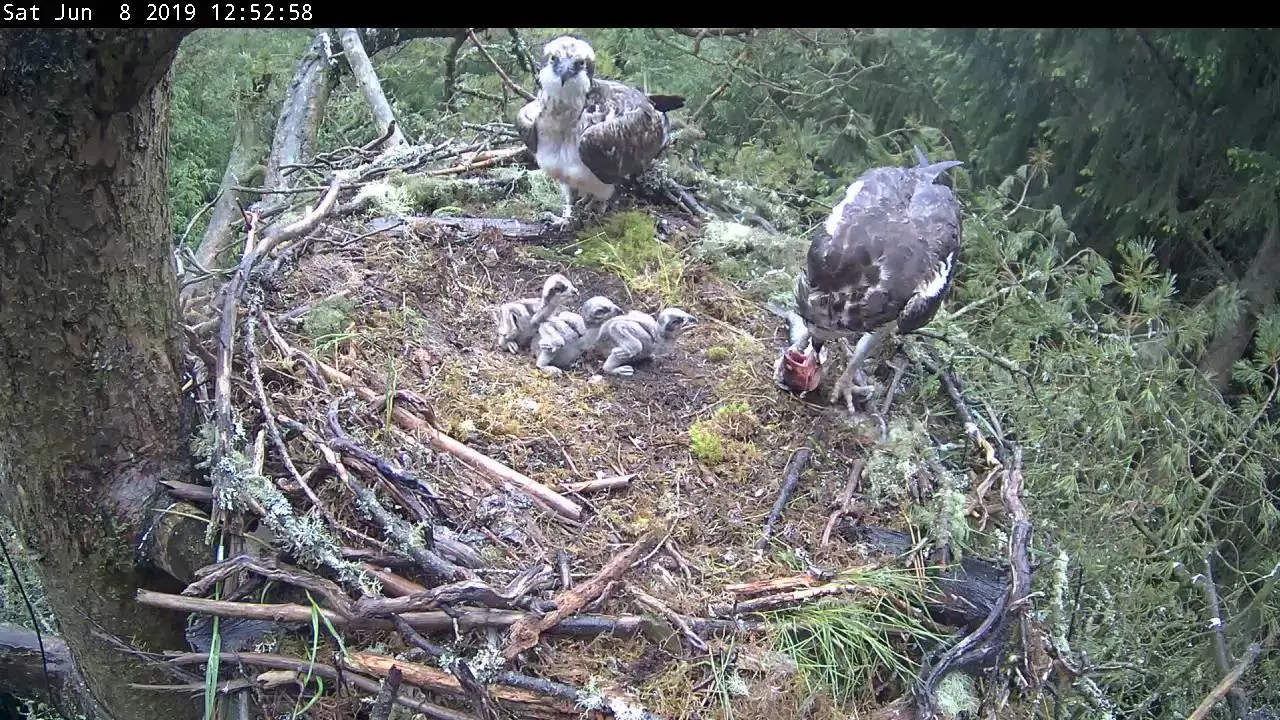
[(1260, 286), (89, 352), (370, 87)]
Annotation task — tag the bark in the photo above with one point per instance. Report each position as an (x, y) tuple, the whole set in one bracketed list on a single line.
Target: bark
[(89, 349), (369, 85), (304, 103), (1260, 286)]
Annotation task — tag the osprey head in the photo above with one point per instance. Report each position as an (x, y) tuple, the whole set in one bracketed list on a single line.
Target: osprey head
[(558, 287), (599, 308), (674, 321), (567, 64)]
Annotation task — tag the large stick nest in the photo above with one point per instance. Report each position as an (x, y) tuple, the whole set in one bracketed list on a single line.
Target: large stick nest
[(675, 471)]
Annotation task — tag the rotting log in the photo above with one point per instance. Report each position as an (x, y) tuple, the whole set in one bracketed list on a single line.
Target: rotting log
[(23, 671), (370, 86), (89, 339)]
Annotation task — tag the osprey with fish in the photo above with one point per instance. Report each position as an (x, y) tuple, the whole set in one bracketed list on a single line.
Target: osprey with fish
[(881, 263), (589, 133)]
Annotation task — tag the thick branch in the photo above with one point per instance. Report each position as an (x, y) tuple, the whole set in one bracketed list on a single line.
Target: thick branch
[(295, 138), (370, 87)]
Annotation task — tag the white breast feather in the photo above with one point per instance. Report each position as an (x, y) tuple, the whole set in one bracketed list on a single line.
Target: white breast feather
[(558, 156), (837, 212), (932, 286)]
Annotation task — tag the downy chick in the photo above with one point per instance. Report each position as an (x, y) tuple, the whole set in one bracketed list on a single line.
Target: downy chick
[(518, 320), (638, 336), (564, 338)]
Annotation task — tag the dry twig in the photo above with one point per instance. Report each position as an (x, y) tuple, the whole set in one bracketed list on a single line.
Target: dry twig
[(524, 635)]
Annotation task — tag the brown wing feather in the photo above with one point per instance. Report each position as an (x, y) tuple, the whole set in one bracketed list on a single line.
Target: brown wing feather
[(885, 249), (526, 126), (622, 132)]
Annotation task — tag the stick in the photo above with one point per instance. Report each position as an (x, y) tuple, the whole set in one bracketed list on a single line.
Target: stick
[(438, 620), (524, 634), (661, 608), (846, 499), (962, 409), (1227, 683), (381, 709), (437, 680), (329, 672), (611, 483), (790, 481), (800, 596), (394, 525), (501, 73)]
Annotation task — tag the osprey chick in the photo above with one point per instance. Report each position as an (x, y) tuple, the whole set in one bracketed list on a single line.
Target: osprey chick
[(564, 338), (589, 133), (638, 336), (518, 321), (881, 263)]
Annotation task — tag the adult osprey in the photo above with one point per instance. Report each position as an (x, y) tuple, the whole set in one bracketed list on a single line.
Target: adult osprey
[(882, 262), (589, 133)]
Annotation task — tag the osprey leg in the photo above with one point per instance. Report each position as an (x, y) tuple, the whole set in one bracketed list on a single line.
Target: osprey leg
[(566, 207), (854, 380)]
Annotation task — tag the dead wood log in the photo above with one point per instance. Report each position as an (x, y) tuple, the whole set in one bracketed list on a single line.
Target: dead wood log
[(436, 680), (304, 667), (41, 667), (464, 618), (246, 151), (370, 86), (524, 634), (304, 104)]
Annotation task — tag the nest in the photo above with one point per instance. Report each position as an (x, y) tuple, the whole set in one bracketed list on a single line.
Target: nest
[(484, 539)]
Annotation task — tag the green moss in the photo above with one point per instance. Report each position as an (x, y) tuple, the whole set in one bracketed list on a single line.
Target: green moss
[(726, 433), (718, 353), (705, 444), (762, 263), (627, 245), (328, 318)]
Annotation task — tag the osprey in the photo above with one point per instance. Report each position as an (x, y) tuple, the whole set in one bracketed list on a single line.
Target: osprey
[(881, 263), (589, 133)]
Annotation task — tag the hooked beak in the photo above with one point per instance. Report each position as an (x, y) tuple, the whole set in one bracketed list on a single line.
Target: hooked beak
[(565, 69)]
